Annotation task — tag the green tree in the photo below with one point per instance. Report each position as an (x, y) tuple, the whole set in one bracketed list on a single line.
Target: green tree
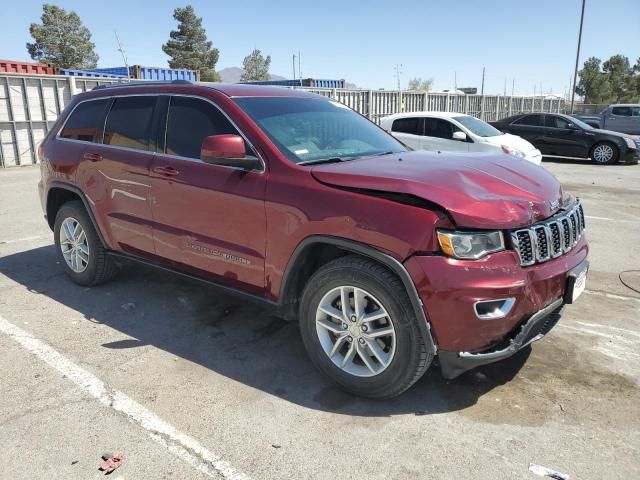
[(255, 66), (189, 48), (620, 76), (62, 40), (421, 84), (593, 85)]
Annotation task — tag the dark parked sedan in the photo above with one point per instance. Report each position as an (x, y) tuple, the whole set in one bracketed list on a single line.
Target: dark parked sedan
[(557, 135)]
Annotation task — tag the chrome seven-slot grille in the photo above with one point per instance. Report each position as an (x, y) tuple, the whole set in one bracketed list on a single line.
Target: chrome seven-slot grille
[(549, 239)]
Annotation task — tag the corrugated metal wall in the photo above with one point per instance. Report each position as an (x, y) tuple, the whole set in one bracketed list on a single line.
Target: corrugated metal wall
[(30, 104)]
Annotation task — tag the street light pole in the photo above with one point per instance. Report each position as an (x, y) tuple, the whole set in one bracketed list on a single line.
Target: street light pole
[(575, 70)]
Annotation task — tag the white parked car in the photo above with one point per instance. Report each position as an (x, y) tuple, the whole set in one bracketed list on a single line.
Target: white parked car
[(456, 132)]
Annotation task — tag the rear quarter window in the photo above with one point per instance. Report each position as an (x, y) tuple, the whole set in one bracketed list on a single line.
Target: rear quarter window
[(86, 121)]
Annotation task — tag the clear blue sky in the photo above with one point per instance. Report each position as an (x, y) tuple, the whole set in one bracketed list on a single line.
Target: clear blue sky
[(532, 41)]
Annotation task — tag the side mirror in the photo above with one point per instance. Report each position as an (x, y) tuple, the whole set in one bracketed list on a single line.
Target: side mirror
[(460, 136), (228, 150), (571, 126)]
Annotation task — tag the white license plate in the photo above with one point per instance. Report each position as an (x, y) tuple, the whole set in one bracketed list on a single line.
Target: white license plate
[(579, 285)]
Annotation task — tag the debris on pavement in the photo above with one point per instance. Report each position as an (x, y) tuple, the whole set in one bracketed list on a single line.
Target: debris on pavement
[(111, 462), (547, 472), (128, 306), (275, 445)]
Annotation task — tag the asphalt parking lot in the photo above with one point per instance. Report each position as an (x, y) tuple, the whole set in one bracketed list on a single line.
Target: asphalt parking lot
[(186, 382)]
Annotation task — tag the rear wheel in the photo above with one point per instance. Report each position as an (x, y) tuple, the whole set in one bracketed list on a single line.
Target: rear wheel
[(604, 153), (359, 328), (81, 252)]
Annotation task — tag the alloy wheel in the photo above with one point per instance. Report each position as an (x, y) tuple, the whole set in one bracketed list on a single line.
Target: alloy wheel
[(74, 245), (603, 153), (355, 331)]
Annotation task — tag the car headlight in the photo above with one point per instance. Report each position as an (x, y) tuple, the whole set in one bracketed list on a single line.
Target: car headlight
[(470, 245), (630, 142), (513, 151)]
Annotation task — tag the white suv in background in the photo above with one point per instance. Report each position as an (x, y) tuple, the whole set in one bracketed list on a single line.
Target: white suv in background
[(456, 132)]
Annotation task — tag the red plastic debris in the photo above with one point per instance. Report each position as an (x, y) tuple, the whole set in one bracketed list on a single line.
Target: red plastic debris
[(111, 462)]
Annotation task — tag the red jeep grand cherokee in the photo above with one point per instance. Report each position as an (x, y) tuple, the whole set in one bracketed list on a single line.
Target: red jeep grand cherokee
[(386, 257)]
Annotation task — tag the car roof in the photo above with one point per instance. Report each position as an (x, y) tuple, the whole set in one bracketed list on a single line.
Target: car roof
[(625, 105), (425, 114), (232, 90)]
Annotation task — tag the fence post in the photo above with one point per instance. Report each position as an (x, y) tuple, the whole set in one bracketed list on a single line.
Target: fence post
[(425, 101), (334, 94), (446, 106), (73, 89), (510, 106), (482, 108), (369, 104)]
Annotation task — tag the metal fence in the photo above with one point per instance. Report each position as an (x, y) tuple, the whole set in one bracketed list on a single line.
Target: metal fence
[(376, 104), (30, 104)]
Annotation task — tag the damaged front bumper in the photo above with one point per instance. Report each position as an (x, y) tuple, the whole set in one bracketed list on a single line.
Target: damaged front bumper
[(536, 327)]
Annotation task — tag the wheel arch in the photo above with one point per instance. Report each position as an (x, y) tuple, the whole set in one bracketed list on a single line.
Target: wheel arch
[(316, 250), (60, 193)]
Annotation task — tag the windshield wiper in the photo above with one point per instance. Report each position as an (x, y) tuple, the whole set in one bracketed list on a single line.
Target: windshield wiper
[(323, 160)]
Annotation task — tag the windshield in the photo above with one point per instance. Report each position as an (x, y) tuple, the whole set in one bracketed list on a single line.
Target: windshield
[(581, 124), (307, 130), (477, 126)]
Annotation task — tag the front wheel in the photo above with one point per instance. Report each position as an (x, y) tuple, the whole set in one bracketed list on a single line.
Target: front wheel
[(81, 252), (604, 153), (359, 328)]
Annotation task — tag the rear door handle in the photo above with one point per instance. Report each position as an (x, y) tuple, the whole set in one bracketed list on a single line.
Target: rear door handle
[(93, 157), (168, 171)]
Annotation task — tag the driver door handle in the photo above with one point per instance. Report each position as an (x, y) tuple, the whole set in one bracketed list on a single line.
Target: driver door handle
[(93, 157), (167, 171)]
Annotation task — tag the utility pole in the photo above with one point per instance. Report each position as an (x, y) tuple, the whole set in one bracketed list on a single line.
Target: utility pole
[(294, 66), (505, 87), (513, 87), (398, 73), (121, 50), (299, 71), (482, 89), (575, 70)]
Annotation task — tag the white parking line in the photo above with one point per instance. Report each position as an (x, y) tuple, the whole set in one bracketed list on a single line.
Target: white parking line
[(178, 443)]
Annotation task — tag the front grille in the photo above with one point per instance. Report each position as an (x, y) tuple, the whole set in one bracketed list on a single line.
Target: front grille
[(551, 238)]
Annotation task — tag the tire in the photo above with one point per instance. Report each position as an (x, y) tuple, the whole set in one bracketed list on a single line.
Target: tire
[(604, 153), (91, 266), (403, 351)]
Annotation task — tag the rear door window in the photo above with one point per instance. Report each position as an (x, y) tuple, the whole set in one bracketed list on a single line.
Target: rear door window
[(129, 122), (529, 120), (439, 128), (86, 121), (621, 111), (190, 121), (411, 125), (554, 121)]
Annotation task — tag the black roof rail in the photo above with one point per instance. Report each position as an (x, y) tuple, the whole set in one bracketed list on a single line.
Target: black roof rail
[(144, 83)]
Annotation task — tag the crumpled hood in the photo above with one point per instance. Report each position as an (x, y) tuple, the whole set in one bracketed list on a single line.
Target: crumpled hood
[(479, 190)]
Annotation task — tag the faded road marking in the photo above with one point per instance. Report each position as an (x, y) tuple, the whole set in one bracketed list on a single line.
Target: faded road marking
[(607, 219), (178, 443), (25, 239), (611, 295)]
